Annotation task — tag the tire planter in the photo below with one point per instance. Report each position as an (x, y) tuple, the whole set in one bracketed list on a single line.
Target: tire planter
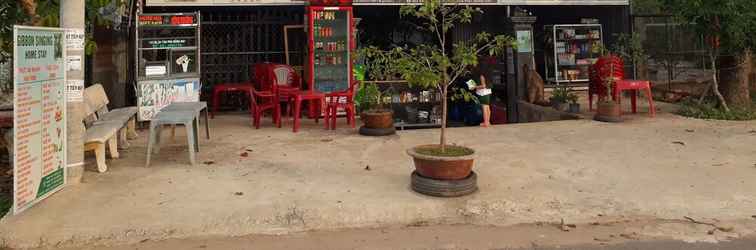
[(377, 131), (442, 167), (444, 188), (608, 112)]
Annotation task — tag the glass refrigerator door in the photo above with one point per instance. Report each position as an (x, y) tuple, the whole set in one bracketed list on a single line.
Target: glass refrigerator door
[(331, 50)]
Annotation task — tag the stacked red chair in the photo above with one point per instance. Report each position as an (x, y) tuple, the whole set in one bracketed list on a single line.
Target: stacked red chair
[(612, 66), (599, 73)]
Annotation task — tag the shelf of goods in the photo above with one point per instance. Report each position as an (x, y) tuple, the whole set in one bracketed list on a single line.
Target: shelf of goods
[(574, 50), (413, 107), (330, 46)]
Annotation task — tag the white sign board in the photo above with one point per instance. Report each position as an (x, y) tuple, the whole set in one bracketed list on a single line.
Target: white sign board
[(154, 95), (75, 39), (75, 90), (39, 114), (73, 63)]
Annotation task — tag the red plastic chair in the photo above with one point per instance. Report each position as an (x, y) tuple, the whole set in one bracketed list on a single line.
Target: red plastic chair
[(635, 86), (264, 96), (343, 100), (286, 85), (612, 66), (287, 82)]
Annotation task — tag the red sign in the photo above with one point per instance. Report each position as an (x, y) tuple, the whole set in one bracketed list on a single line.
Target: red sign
[(165, 20), (154, 20), (179, 20)]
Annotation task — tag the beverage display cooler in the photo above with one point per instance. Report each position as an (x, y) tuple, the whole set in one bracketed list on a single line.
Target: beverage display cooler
[(330, 46)]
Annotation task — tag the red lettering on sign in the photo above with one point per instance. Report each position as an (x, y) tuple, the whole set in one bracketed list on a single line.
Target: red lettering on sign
[(177, 20)]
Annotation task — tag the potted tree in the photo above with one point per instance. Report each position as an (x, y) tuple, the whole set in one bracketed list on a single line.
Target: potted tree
[(608, 110), (559, 98), (376, 118), (436, 65)]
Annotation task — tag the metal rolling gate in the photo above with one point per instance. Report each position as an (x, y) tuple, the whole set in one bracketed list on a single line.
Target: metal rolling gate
[(233, 40)]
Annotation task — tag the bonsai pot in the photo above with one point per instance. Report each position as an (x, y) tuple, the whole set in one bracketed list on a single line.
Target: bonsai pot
[(559, 105), (574, 108), (377, 122), (378, 118), (608, 111), (456, 165)]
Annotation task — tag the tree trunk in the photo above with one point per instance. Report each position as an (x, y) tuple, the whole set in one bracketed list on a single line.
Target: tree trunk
[(443, 118), (734, 76), (753, 74)]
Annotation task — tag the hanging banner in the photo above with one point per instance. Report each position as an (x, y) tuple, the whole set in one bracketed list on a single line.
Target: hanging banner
[(39, 114)]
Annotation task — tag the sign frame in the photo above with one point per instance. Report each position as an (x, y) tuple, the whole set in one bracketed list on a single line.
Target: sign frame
[(62, 64)]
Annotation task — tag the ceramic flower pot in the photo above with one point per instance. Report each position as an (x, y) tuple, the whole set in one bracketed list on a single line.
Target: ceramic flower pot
[(608, 111), (438, 167), (376, 119)]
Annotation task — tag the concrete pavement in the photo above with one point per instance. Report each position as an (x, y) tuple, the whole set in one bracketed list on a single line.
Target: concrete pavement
[(580, 171)]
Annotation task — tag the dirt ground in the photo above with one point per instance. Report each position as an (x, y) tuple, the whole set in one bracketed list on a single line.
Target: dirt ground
[(272, 181), (540, 236)]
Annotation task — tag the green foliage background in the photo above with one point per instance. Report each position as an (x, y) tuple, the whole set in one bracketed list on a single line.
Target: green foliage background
[(48, 13)]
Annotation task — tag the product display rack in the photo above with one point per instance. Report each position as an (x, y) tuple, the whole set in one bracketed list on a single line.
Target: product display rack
[(330, 46), (573, 52), (168, 59), (413, 108)]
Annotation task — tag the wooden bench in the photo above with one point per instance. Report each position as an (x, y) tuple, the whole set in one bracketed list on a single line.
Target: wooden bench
[(105, 126)]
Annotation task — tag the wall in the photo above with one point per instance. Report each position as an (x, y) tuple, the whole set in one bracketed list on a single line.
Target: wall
[(109, 66), (533, 113), (753, 74)]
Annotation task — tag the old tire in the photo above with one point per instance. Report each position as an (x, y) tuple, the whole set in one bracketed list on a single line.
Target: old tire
[(604, 118), (444, 188), (377, 131)]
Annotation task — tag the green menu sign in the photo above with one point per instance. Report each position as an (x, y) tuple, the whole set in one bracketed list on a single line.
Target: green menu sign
[(39, 114)]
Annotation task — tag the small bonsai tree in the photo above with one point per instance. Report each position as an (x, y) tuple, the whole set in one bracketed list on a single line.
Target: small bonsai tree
[(573, 98), (377, 65), (437, 65), (560, 94)]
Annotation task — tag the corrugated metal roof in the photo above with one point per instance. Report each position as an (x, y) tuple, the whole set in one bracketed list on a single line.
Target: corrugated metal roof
[(380, 2), (564, 2)]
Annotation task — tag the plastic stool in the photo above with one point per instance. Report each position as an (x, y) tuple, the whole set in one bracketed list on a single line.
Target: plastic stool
[(635, 86)]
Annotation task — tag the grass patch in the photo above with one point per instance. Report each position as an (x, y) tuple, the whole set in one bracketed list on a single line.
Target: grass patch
[(5, 205), (709, 110), (451, 151)]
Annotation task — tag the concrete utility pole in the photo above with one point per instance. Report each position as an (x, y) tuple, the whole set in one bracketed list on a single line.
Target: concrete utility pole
[(72, 17)]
